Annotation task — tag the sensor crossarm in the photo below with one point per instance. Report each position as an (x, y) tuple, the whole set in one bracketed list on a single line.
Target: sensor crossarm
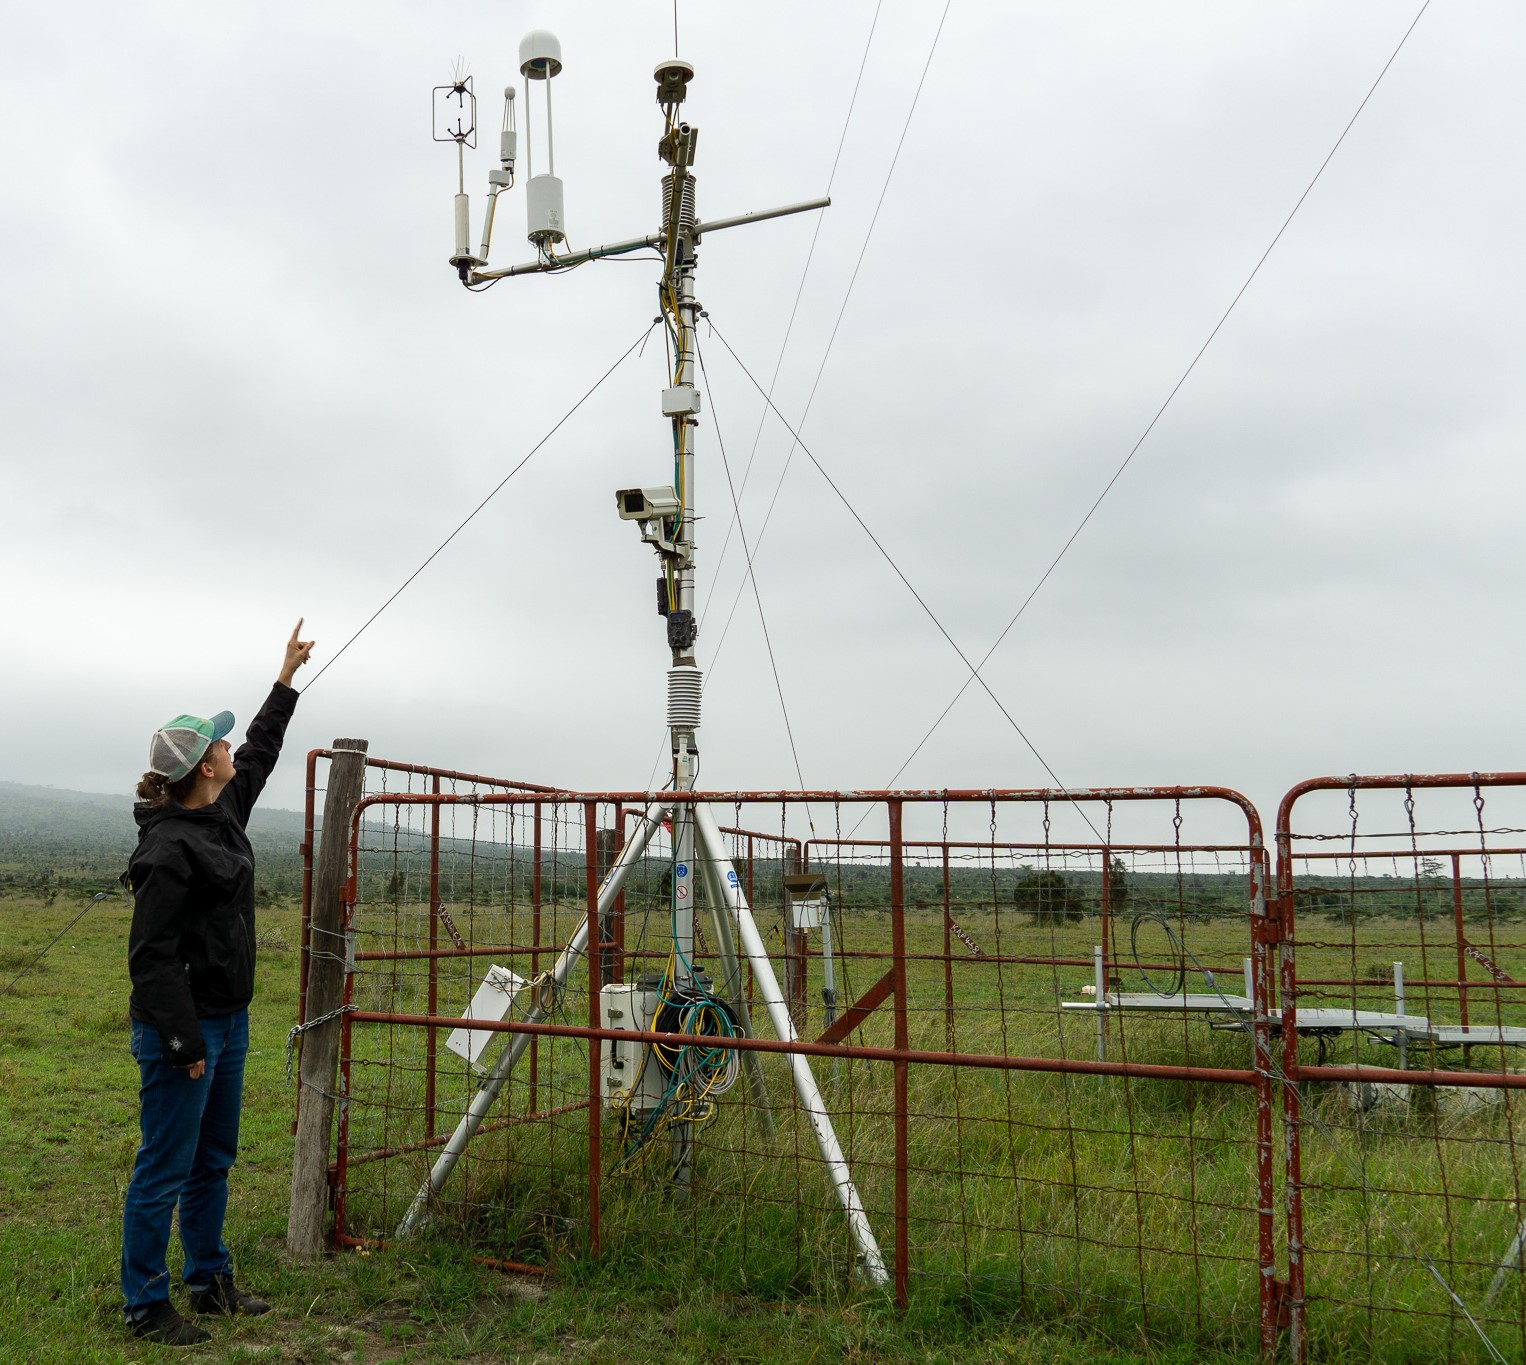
[(656, 239)]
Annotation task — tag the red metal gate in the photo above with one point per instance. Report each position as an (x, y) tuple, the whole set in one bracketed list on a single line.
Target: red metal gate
[(1004, 1163), (1403, 961)]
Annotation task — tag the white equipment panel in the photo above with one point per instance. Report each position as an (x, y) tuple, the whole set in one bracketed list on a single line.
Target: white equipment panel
[(492, 1001)]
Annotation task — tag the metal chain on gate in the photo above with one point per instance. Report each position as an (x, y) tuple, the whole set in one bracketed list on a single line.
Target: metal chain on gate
[(838, 919), (1351, 874), (291, 1038), (1181, 889)]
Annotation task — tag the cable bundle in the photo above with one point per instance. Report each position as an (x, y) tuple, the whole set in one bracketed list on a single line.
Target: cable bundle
[(695, 1075)]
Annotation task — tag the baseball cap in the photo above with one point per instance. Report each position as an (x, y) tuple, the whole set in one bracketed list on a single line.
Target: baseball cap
[(177, 747)]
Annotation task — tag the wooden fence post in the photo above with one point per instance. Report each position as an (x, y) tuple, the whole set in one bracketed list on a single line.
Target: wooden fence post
[(306, 1224)]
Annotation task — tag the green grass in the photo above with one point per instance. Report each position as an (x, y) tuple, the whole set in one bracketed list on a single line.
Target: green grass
[(68, 1131), (1052, 1218), (1121, 1209)]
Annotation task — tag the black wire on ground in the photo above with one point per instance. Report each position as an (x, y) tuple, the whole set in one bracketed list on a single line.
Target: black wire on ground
[(496, 490), (1134, 450), (1177, 982)]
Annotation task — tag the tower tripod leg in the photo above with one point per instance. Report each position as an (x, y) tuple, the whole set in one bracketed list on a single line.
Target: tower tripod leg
[(712, 849), (540, 1006)]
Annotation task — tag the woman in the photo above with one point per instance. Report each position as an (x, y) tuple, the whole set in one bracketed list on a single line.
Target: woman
[(191, 959)]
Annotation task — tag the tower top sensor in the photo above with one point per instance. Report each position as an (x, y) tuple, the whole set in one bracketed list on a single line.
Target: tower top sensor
[(540, 55), (673, 77)]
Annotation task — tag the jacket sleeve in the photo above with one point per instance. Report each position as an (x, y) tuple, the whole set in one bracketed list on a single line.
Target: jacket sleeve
[(256, 757), (160, 987)]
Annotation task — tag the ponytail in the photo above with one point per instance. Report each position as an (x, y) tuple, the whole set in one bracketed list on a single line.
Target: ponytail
[(157, 790)]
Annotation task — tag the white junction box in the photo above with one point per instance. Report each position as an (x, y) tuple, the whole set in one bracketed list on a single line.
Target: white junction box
[(630, 1075), (682, 400), (492, 1001)]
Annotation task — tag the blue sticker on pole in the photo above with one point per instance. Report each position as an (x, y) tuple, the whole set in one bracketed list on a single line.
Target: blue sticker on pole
[(731, 876), (680, 869)]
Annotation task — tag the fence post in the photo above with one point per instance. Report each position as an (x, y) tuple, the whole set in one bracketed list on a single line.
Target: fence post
[(325, 990), (431, 1043), (595, 878), (1099, 976), (902, 1046)]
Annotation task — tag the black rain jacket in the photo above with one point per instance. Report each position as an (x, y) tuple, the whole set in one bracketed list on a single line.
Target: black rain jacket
[(191, 949)]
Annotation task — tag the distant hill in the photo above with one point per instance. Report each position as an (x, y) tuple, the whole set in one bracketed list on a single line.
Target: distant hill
[(79, 836), (57, 813)]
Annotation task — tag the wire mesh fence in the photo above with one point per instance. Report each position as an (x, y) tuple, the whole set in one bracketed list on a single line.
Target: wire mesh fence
[(1068, 1054), (1403, 1016), (1007, 1001)]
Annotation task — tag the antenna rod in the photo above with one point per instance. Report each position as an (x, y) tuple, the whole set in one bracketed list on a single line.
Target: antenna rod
[(759, 216)]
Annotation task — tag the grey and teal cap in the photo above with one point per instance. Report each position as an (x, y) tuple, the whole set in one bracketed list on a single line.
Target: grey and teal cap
[(177, 747)]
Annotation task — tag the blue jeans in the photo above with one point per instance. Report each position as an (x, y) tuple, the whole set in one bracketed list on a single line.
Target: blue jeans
[(190, 1140)]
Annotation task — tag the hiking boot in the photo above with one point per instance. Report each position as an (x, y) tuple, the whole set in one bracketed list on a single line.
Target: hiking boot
[(161, 1323), (225, 1297)]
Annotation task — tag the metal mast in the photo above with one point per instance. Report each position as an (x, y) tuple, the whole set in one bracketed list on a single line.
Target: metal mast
[(680, 403), (666, 518)]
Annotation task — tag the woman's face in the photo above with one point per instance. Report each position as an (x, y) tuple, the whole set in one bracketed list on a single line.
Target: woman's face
[(219, 757)]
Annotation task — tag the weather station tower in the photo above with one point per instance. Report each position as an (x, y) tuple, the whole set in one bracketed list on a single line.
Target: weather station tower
[(652, 1096)]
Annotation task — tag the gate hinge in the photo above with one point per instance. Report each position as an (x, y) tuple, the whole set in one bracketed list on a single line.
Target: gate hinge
[(1271, 927)]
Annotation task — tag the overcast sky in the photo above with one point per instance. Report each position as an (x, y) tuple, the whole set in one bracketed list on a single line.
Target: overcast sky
[(241, 384)]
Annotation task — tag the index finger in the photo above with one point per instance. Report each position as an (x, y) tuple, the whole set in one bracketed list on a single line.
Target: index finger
[(296, 631)]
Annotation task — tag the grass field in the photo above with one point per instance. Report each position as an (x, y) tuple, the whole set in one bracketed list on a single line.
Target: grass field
[(68, 1134), (1053, 1218), (1124, 1206)]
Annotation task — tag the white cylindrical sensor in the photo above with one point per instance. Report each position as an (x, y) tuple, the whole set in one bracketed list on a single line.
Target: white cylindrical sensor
[(463, 225), (508, 139), (543, 208)]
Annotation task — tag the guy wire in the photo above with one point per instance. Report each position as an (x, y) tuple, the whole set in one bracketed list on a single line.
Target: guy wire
[(848, 294), (789, 326), (921, 601), (1160, 412), (773, 664), (89, 905), (496, 490)]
